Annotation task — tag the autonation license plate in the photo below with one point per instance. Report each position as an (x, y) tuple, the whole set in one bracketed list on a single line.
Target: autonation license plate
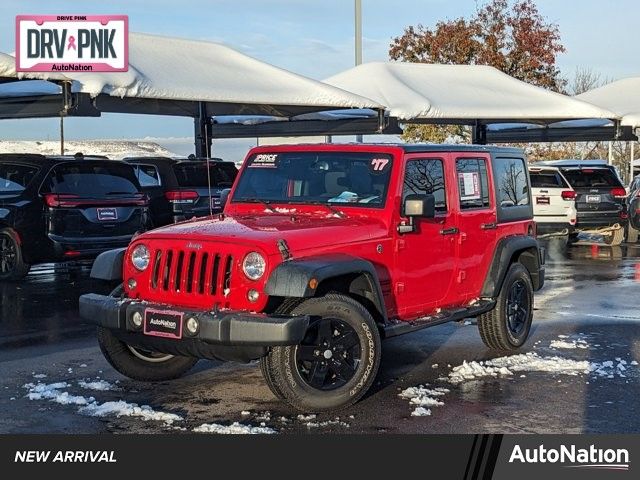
[(163, 323), (107, 214), (593, 198)]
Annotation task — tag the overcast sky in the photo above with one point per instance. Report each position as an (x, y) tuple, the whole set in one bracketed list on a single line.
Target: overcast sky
[(315, 38)]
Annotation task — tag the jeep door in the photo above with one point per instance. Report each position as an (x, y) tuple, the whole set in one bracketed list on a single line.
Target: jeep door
[(426, 257), (476, 222)]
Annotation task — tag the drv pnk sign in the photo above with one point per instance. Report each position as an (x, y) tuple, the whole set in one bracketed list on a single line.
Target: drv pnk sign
[(72, 43)]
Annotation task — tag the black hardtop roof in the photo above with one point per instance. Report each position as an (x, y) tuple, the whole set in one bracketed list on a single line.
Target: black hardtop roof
[(412, 147)]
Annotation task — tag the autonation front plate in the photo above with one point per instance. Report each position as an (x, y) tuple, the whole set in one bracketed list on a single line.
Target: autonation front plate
[(72, 43)]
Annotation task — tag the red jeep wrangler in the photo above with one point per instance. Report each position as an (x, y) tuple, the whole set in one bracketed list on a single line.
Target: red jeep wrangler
[(322, 251)]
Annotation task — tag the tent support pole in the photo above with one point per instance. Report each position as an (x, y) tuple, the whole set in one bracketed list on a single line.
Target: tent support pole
[(632, 155), (202, 132), (479, 134)]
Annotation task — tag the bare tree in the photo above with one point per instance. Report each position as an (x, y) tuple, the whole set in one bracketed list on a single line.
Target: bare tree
[(585, 78)]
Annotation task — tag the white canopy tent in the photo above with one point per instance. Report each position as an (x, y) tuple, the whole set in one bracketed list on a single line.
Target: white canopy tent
[(431, 93), (621, 97), (172, 76)]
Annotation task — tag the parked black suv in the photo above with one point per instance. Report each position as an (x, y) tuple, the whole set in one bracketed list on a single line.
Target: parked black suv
[(633, 203), (600, 195), (56, 208), (179, 188)]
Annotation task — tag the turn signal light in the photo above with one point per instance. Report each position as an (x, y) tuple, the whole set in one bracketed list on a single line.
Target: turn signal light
[(568, 195)]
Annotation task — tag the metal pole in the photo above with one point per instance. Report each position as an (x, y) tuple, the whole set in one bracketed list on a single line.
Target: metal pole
[(610, 157), (61, 134), (633, 152), (358, 41)]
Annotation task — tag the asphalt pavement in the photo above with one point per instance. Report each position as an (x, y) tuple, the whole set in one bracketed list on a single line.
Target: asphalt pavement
[(581, 374)]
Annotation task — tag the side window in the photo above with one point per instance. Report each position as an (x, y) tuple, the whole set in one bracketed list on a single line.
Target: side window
[(423, 177), (148, 175), (511, 182), (473, 183)]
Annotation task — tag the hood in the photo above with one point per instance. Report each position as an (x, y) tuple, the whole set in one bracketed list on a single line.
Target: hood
[(301, 233)]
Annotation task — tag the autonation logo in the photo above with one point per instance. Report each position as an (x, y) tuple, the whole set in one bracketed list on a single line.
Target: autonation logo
[(574, 457)]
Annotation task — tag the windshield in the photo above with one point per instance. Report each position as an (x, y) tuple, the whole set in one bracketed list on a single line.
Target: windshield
[(195, 174), (15, 178), (316, 177)]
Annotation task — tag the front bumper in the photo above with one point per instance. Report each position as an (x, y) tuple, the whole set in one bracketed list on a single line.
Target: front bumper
[(227, 335)]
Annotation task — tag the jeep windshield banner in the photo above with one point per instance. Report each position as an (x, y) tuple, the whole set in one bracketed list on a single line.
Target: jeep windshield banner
[(79, 43)]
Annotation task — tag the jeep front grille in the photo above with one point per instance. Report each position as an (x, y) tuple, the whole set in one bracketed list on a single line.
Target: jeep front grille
[(191, 272)]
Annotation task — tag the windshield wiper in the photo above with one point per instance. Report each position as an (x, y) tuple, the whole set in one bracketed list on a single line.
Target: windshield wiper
[(334, 210), (266, 203)]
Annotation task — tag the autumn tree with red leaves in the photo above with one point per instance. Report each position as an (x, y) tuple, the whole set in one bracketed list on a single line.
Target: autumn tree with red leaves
[(512, 37)]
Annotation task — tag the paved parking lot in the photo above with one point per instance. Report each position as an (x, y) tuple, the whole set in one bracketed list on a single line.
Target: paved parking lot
[(578, 373)]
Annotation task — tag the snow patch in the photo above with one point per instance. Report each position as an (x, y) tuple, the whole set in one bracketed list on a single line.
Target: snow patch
[(100, 385), (235, 428), (421, 412), (121, 408), (52, 392)]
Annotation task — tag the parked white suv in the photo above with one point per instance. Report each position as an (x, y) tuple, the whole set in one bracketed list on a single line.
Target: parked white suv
[(554, 201)]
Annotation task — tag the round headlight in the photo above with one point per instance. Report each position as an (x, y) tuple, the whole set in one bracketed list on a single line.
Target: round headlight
[(140, 257), (254, 266)]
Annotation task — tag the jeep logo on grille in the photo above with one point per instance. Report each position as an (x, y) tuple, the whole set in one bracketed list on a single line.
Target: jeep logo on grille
[(194, 246)]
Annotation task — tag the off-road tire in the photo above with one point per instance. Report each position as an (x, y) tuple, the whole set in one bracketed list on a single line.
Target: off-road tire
[(284, 309), (282, 362), (18, 269), (616, 238), (121, 357), (493, 325)]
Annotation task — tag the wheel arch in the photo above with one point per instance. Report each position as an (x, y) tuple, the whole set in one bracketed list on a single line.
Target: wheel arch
[(523, 249), (316, 276)]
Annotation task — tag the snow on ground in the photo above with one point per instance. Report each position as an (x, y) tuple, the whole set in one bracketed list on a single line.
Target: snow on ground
[(422, 397), (100, 385), (89, 406), (235, 428), (421, 412), (115, 149), (121, 408), (569, 344), (336, 422)]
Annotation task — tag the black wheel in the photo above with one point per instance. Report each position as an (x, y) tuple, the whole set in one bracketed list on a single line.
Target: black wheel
[(507, 326), (12, 264), (138, 363), (336, 362)]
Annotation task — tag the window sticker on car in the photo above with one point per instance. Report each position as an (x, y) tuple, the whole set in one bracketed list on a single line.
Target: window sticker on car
[(265, 160), (379, 164), (469, 183)]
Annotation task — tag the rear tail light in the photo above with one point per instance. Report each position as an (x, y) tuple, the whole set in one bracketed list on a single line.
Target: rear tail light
[(181, 196), (619, 192), (568, 195), (70, 200), (624, 215), (61, 199)]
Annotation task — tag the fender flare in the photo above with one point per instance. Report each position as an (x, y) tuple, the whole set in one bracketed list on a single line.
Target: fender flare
[(505, 250), (292, 278), (108, 265)]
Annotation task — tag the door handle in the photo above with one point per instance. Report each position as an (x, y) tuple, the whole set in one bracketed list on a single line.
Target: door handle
[(489, 226), (449, 231)]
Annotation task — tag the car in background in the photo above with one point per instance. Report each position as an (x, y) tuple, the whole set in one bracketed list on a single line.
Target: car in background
[(181, 189), (633, 209), (55, 208), (554, 206), (600, 197)]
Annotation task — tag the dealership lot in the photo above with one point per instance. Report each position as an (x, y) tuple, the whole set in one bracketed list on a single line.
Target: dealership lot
[(580, 372)]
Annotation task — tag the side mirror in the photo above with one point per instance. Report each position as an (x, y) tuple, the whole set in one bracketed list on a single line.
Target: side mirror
[(417, 206), (224, 196)]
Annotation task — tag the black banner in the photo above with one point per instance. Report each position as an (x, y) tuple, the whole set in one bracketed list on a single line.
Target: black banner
[(465, 457)]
